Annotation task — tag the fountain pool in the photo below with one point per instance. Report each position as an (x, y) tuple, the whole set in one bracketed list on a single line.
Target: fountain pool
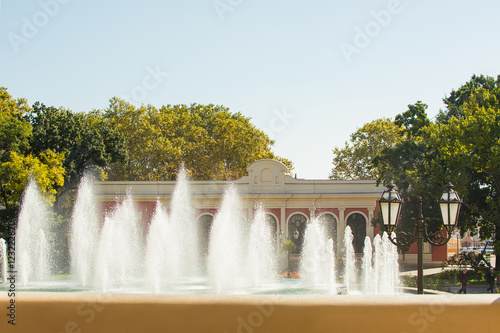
[(115, 254)]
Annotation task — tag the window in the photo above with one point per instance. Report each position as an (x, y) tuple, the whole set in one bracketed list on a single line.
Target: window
[(357, 222), (205, 226), (329, 222), (297, 222)]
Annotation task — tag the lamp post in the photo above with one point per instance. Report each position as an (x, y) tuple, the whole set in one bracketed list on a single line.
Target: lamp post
[(295, 236), (390, 205)]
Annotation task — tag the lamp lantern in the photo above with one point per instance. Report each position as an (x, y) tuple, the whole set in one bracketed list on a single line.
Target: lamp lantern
[(390, 205), (450, 206)]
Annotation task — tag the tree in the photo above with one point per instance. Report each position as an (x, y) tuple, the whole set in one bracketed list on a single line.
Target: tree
[(462, 95), (470, 145), (461, 146), (212, 142), (85, 139), (354, 160), (415, 167), (17, 164)]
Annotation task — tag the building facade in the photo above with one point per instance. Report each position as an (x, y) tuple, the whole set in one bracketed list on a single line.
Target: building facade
[(289, 203)]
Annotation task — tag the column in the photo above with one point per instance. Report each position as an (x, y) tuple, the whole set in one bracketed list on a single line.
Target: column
[(283, 227), (312, 213), (283, 224), (341, 229), (369, 228)]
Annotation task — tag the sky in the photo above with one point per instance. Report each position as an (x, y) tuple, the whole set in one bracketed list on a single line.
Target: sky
[(308, 73)]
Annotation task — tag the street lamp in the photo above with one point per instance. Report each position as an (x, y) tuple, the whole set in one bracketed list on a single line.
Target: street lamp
[(390, 206), (295, 237)]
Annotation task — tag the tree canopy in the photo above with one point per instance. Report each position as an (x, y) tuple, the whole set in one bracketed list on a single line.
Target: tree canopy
[(86, 140), (55, 146), (354, 160), (461, 145), (18, 164), (209, 140)]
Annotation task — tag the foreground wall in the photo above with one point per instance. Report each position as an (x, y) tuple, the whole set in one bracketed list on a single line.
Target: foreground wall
[(79, 312)]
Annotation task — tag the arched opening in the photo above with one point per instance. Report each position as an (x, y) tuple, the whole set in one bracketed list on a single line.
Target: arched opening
[(266, 175), (329, 222), (273, 226), (205, 226), (357, 222), (297, 222)]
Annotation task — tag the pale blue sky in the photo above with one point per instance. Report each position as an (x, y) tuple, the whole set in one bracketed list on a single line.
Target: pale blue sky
[(282, 63)]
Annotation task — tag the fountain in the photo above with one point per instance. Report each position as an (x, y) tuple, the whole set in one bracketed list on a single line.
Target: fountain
[(119, 253), (368, 276), (32, 248), (349, 262), (84, 233), (261, 251), (386, 268), (227, 245), (161, 258), (3, 261), (318, 260), (110, 254), (183, 227)]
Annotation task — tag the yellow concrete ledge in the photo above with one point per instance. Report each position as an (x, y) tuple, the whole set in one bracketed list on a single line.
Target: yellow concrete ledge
[(81, 312)]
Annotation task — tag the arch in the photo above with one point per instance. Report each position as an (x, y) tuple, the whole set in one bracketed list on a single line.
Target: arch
[(330, 223), (205, 222), (266, 175), (272, 222), (297, 221), (357, 222)]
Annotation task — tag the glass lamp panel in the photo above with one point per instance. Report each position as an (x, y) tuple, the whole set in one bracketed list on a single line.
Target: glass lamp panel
[(444, 211), (454, 207), (452, 213), (394, 212), (384, 207)]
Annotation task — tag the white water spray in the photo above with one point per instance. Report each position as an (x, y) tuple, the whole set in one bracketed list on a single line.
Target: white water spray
[(32, 249), (227, 245), (349, 268), (261, 251), (368, 276), (3, 260), (120, 255), (84, 233), (318, 261)]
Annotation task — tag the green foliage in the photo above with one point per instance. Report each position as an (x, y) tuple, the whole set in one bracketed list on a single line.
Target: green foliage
[(47, 171), (468, 259), (462, 145), (414, 120), (469, 145), (14, 130), (86, 140), (212, 142), (497, 248), (461, 96), (17, 163), (354, 160), (289, 246)]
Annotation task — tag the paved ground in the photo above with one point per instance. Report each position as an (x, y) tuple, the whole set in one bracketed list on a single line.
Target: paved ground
[(471, 289), (481, 289)]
